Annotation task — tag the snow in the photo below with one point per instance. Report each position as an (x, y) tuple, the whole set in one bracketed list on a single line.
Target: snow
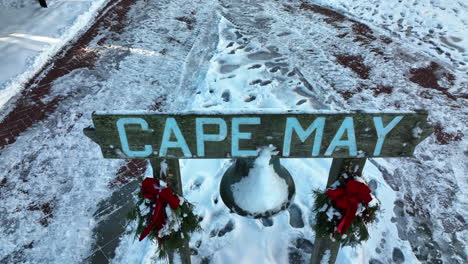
[(172, 223), (360, 209), (17, 3), (262, 190), (31, 35), (323, 208), (332, 212), (427, 23), (326, 257), (337, 183), (163, 170), (417, 132), (361, 154), (374, 202), (144, 209), (359, 179)]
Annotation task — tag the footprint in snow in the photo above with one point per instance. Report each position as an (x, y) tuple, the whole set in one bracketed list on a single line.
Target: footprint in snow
[(275, 69), (263, 55), (265, 82), (250, 98), (301, 101), (305, 245), (266, 221), (255, 82), (255, 66), (227, 68), (196, 184), (226, 96), (295, 216), (227, 228), (229, 77)]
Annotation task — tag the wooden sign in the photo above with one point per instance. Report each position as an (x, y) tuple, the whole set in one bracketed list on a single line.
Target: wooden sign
[(295, 135), (349, 138)]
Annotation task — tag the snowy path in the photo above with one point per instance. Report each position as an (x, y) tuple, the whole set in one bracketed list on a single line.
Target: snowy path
[(30, 35), (343, 64), (222, 55), (52, 176)]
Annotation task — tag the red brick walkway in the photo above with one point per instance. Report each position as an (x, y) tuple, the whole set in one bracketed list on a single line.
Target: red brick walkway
[(133, 169), (29, 107)]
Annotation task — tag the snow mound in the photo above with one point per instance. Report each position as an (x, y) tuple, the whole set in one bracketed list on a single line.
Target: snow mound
[(262, 190)]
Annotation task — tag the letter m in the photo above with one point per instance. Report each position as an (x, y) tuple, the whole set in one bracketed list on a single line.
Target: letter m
[(293, 125)]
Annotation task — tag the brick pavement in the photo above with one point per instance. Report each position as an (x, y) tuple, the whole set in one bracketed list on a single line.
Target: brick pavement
[(35, 103)]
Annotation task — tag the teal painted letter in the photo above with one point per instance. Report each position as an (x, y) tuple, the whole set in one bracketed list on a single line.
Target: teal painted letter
[(348, 127), (293, 125), (383, 131), (202, 137), (123, 136), (237, 135), (170, 128)]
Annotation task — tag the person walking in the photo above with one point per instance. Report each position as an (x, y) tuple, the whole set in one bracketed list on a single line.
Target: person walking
[(43, 3)]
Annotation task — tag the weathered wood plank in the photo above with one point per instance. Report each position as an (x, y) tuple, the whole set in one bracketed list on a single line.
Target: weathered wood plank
[(400, 141)]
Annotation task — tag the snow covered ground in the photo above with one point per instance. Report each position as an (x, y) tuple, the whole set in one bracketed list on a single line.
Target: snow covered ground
[(219, 55), (31, 35), (438, 27)]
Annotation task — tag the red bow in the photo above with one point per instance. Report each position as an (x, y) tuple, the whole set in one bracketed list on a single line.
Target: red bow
[(161, 197), (348, 198)]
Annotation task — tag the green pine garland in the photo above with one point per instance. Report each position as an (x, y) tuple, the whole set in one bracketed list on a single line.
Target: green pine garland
[(183, 217), (357, 231)]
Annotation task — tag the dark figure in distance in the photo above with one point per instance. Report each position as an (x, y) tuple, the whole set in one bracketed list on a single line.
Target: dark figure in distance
[(43, 3)]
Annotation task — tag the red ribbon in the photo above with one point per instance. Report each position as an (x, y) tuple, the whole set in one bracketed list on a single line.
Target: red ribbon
[(161, 197), (348, 198)]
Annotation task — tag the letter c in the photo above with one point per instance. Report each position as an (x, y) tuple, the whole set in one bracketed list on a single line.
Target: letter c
[(123, 136)]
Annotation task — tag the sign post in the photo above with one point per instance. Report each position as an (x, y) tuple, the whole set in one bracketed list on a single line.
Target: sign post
[(170, 173), (322, 245), (348, 138)]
